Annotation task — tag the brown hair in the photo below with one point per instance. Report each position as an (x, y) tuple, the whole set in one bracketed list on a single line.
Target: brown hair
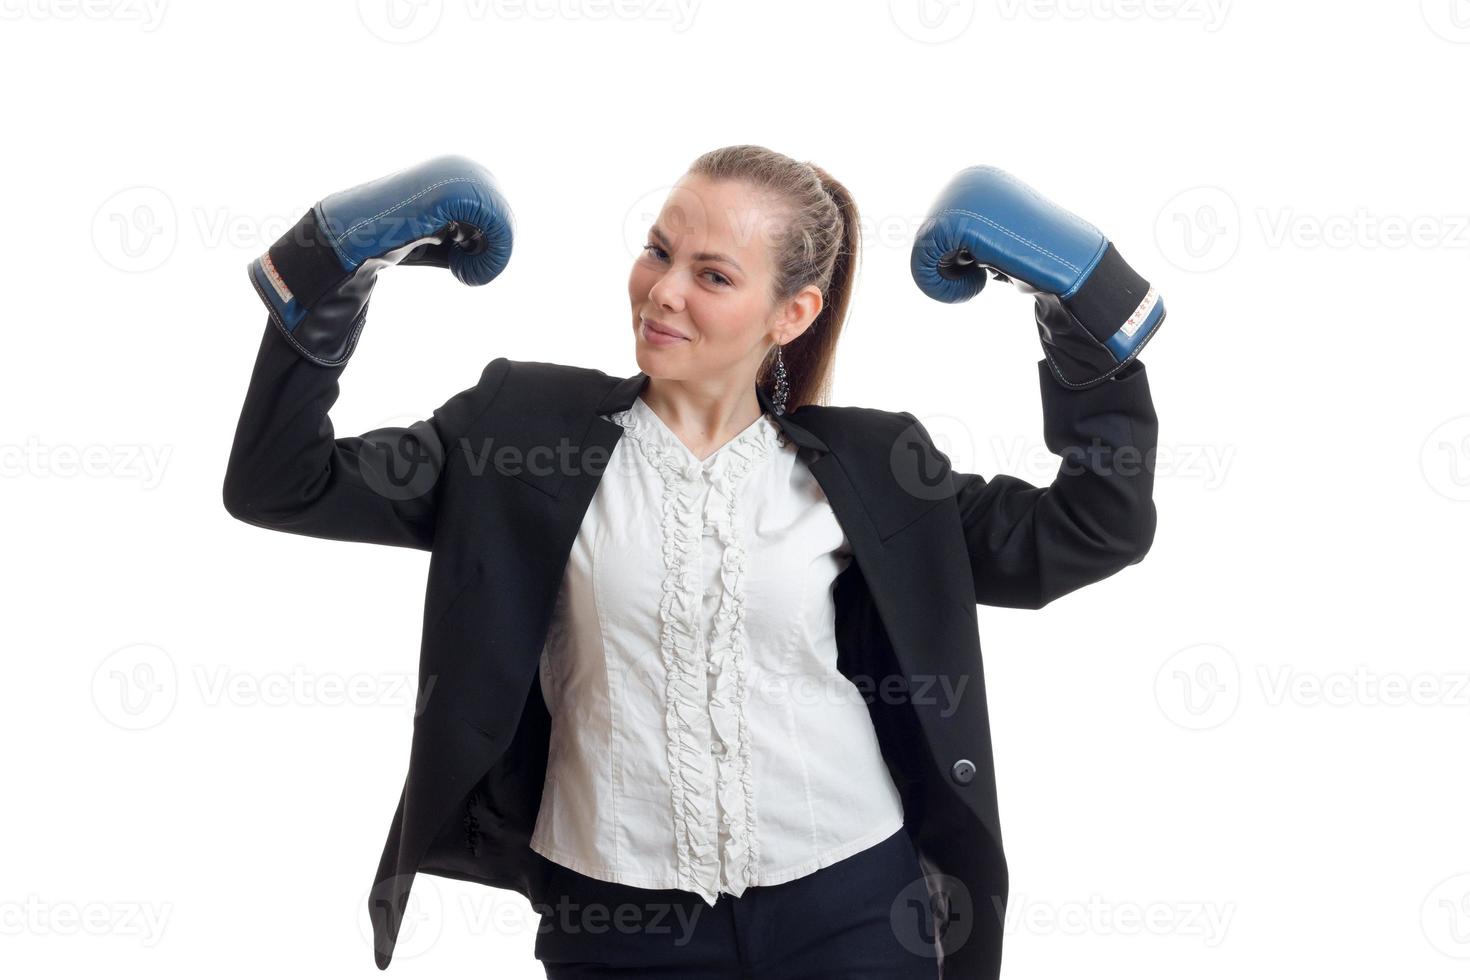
[(819, 247)]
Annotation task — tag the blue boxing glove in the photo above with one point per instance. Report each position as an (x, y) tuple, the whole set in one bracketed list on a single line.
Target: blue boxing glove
[(1093, 311), (317, 279)]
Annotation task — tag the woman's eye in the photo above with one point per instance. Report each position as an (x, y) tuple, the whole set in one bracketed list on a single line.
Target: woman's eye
[(720, 280)]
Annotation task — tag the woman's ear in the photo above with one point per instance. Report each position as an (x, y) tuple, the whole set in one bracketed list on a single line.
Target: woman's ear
[(797, 314)]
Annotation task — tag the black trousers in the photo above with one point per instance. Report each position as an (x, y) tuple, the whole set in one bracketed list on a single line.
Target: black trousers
[(864, 917)]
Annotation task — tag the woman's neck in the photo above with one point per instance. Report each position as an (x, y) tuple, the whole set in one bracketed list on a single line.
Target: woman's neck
[(703, 415)]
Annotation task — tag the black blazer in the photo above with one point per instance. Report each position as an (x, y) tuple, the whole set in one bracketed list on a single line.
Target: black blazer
[(495, 485)]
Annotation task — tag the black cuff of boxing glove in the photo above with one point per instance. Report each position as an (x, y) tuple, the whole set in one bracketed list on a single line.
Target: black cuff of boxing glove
[(306, 262), (1091, 335), (1076, 358), (318, 304), (1110, 297)]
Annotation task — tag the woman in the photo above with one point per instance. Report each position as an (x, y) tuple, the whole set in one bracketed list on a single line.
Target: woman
[(710, 541), (669, 721)]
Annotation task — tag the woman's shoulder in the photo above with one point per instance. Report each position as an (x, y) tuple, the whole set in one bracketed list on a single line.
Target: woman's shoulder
[(849, 422), (549, 385)]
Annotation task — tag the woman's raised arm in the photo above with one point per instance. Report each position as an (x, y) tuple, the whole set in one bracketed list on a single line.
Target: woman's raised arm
[(1029, 545), (288, 472), (287, 469)]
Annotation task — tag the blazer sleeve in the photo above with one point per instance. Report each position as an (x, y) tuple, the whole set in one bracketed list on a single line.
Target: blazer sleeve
[(1029, 545), (288, 472)]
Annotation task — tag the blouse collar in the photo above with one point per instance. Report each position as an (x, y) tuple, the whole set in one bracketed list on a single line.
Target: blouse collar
[(622, 394), (757, 438)]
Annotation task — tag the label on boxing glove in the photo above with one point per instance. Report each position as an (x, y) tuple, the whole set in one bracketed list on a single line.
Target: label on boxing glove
[(274, 278), (1140, 315)]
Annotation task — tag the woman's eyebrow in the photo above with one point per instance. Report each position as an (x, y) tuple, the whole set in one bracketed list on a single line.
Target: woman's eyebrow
[(699, 256)]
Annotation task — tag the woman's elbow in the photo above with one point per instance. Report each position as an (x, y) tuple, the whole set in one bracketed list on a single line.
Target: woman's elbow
[(1142, 538)]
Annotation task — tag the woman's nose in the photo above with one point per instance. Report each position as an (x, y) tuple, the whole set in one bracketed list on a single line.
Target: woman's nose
[(667, 292)]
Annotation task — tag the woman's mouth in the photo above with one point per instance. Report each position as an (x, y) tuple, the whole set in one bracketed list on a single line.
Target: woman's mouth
[(659, 335)]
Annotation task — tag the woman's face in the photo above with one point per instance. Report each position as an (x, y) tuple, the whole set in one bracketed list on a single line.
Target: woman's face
[(705, 276)]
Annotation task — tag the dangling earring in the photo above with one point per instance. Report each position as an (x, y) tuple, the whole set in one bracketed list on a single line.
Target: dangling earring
[(782, 389)]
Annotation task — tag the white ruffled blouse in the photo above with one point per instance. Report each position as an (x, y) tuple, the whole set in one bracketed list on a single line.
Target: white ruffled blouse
[(702, 737)]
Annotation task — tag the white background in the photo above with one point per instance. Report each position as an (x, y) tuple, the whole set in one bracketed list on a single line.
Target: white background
[(1244, 756)]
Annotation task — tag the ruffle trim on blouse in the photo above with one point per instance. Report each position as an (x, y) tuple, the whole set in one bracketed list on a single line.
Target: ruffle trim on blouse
[(709, 839)]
